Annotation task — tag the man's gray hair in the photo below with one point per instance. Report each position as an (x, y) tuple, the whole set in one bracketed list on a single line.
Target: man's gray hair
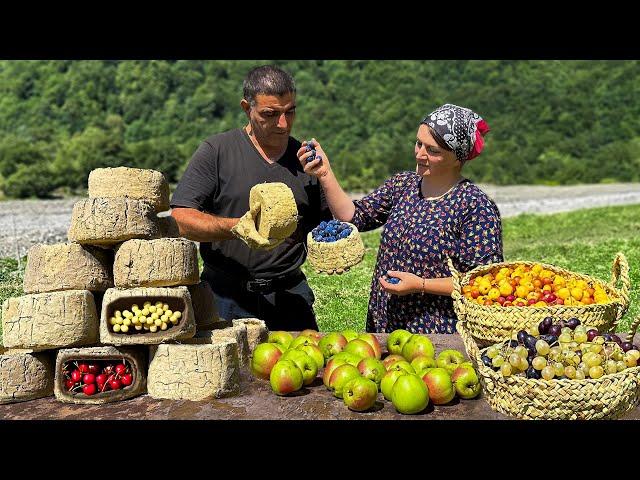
[(267, 80)]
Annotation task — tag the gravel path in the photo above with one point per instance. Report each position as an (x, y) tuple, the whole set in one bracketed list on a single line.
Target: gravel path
[(26, 222)]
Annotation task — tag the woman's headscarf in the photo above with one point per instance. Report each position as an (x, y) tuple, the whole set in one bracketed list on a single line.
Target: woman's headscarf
[(460, 128)]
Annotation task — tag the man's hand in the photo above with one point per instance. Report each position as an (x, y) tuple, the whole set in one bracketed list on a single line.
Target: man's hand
[(318, 167), (246, 231), (409, 283)]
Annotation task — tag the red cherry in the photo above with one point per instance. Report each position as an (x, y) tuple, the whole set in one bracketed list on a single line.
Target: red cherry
[(89, 389), (115, 384), (76, 376), (120, 369), (89, 378), (102, 378), (83, 367), (69, 384), (127, 379), (93, 368)]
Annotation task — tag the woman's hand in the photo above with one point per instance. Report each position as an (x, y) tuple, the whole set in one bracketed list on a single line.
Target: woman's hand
[(409, 283), (318, 167)]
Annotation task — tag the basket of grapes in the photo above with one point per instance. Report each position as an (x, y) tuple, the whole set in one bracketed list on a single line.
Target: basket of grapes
[(559, 369), (498, 298)]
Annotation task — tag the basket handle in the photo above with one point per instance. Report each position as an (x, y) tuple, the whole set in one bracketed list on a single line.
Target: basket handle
[(456, 293), (620, 271), (633, 328), (472, 348)]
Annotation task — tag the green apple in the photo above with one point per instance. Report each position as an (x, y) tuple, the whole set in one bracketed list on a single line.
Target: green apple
[(450, 360), (417, 345), (280, 337), (302, 340), (360, 394), (332, 364), (396, 340), (409, 394), (359, 347), (466, 382), (402, 365), (351, 358), (331, 344), (467, 363), (441, 388), (349, 334), (389, 378), (372, 368), (285, 377), (265, 356), (372, 340), (314, 352), (391, 359), (304, 362), (340, 377), (421, 373), (421, 362), (314, 334)]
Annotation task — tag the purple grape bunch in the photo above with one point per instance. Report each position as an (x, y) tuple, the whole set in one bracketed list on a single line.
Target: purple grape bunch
[(311, 148), (331, 231)]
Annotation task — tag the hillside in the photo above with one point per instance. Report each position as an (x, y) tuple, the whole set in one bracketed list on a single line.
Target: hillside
[(552, 122)]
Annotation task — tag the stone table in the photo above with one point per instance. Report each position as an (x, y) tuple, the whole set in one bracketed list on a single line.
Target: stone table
[(257, 402)]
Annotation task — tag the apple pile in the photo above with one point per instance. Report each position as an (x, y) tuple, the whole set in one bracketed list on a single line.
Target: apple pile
[(524, 285), (290, 363), (354, 368), (563, 350), (148, 319), (287, 362), (356, 373), (415, 375), (96, 376)]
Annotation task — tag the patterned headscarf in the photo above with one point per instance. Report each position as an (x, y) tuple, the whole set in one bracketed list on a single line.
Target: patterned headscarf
[(460, 128)]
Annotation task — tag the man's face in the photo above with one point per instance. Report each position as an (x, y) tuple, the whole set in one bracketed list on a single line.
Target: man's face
[(271, 118)]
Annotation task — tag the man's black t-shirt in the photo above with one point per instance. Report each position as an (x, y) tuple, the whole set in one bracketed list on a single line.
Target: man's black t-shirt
[(218, 180)]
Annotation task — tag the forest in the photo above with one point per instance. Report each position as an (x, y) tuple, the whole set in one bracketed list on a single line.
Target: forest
[(553, 122)]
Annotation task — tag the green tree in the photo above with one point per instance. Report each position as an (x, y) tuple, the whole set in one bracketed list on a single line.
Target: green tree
[(34, 180)]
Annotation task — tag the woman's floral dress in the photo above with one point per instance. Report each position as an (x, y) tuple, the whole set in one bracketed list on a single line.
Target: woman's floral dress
[(418, 236)]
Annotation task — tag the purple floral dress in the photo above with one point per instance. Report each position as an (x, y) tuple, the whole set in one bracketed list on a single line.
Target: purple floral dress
[(418, 235)]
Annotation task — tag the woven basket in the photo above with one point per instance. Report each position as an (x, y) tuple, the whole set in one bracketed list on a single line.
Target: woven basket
[(607, 397), (489, 324)]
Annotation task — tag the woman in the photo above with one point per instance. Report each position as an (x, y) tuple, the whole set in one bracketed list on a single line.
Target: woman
[(427, 216)]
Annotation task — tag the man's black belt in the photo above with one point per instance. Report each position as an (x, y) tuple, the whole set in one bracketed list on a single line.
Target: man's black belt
[(269, 285), (229, 281)]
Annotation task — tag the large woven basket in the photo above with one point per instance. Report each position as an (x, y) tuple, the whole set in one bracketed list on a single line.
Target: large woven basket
[(607, 397), (493, 323)]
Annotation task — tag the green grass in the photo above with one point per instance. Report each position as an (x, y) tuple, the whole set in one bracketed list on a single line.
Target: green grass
[(584, 241), (10, 281)]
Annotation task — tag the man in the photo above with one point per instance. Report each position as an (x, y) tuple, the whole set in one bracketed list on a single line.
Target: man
[(214, 193)]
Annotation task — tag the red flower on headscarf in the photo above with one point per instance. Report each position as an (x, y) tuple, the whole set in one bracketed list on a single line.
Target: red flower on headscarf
[(481, 130)]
